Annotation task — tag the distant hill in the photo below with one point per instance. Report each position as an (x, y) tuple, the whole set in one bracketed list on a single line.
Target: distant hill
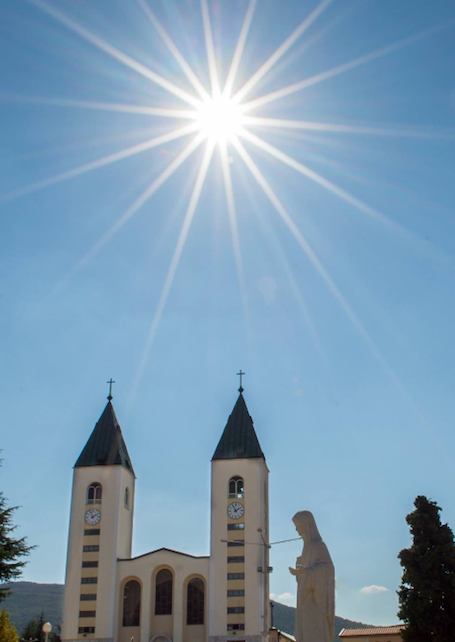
[(284, 620), (28, 599)]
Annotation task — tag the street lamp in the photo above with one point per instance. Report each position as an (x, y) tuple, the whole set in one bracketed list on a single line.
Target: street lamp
[(47, 628)]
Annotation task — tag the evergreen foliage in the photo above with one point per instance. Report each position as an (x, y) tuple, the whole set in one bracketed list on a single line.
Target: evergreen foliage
[(11, 549), (427, 591), (34, 630), (29, 633), (8, 632)]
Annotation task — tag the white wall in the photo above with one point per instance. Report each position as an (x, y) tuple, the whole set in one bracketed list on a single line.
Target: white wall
[(115, 540), (143, 569), (255, 475)]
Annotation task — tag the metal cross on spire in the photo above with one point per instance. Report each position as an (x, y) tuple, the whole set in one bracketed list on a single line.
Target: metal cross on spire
[(240, 374), (110, 382)]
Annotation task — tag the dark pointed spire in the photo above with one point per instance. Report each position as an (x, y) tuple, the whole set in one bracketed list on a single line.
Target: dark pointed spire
[(239, 439), (106, 446)]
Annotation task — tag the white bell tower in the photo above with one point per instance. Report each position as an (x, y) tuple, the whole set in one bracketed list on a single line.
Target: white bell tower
[(100, 532), (239, 556)]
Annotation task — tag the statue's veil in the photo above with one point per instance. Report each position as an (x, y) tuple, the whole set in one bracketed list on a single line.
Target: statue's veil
[(305, 520)]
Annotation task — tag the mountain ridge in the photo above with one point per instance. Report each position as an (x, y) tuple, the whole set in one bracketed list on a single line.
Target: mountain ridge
[(28, 599)]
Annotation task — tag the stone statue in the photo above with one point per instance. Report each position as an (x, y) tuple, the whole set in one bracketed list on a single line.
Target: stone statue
[(315, 573)]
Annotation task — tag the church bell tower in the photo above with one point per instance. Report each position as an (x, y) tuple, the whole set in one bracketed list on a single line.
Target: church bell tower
[(100, 532), (239, 557)]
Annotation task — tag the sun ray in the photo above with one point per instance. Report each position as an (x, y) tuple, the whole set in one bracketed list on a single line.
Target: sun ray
[(210, 49), (317, 178), (116, 53), (194, 80), (436, 254), (224, 116), (323, 273), (103, 106), (100, 162), (296, 287), (174, 262), (131, 211), (239, 49), (307, 125), (296, 233), (302, 304), (227, 179), (340, 69), (273, 59)]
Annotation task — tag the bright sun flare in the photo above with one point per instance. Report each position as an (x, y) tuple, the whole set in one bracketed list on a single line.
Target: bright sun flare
[(219, 118)]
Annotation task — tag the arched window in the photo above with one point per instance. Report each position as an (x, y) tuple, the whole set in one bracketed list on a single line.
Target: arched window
[(94, 493), (127, 497), (163, 595), (236, 488), (195, 602), (131, 603)]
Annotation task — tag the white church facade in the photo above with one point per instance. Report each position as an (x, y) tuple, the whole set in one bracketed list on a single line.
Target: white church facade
[(166, 595)]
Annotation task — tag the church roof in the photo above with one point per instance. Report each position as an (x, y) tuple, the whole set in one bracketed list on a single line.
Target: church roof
[(106, 446), (159, 550), (372, 630), (239, 439)]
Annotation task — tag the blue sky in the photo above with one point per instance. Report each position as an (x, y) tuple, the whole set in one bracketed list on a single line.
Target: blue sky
[(348, 357)]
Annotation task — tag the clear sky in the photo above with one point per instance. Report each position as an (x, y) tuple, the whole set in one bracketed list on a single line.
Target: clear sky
[(318, 256)]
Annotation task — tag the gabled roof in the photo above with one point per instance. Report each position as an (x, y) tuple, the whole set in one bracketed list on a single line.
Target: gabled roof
[(239, 439), (282, 635), (372, 630), (106, 446), (158, 550)]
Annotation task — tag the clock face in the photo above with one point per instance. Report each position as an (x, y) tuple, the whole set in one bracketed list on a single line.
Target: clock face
[(235, 510), (92, 516)]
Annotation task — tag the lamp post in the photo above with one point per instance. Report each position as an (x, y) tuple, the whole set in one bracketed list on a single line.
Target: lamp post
[(47, 628)]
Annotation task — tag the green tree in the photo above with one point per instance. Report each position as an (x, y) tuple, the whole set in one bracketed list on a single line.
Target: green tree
[(29, 633), (39, 627), (427, 591), (34, 630), (8, 632), (11, 549)]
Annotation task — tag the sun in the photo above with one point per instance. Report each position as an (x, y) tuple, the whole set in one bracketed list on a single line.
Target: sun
[(219, 114), (219, 118)]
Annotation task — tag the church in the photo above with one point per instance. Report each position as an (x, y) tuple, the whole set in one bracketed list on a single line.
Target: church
[(167, 595)]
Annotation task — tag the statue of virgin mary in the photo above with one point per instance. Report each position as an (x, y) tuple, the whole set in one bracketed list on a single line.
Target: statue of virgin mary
[(315, 573)]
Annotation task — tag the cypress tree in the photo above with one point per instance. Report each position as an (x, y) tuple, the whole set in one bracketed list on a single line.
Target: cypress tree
[(427, 591), (30, 630), (34, 630)]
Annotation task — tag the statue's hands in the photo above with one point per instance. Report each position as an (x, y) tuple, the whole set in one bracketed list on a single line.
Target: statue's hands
[(293, 571)]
